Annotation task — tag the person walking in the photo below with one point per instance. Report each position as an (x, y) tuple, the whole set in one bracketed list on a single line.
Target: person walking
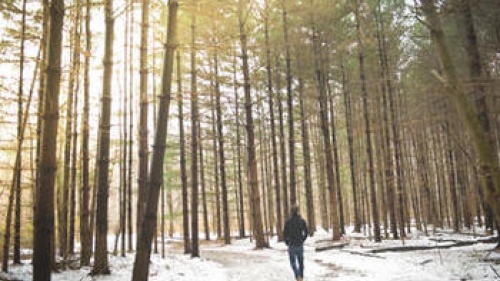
[(295, 233)]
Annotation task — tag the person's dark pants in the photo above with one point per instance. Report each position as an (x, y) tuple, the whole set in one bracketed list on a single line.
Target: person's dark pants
[(296, 255)]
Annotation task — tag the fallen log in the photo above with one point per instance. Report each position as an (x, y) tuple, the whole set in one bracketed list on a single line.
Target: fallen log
[(330, 246), (362, 254), (450, 244)]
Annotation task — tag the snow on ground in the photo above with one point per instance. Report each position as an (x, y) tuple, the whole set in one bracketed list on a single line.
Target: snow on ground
[(241, 262)]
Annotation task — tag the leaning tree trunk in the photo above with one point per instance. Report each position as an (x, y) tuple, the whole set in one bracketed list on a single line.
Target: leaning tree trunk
[(18, 167), (15, 180), (44, 204), (101, 245), (258, 230), (476, 74), (140, 271), (482, 140)]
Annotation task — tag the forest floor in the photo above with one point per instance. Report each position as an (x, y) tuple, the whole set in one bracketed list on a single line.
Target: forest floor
[(355, 258)]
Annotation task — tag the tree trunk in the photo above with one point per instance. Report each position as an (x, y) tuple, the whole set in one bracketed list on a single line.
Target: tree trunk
[(276, 174), (185, 203), (72, 183), (131, 130), (452, 178), (16, 179), (222, 162), (140, 271), (218, 220), (371, 172), (252, 161), (64, 191), (195, 252), (389, 156), (325, 133), (336, 161), (306, 153), (85, 234), (124, 136), (18, 167), (291, 129), (206, 227), (238, 154), (101, 249), (44, 205), (143, 115), (350, 143), (320, 171)]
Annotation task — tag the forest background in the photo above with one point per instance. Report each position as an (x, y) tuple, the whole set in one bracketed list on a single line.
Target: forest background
[(383, 115)]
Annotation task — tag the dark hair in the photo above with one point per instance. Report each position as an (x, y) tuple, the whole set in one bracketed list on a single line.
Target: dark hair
[(294, 209)]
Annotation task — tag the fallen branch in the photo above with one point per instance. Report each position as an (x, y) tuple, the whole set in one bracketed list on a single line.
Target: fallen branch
[(425, 262), (494, 270)]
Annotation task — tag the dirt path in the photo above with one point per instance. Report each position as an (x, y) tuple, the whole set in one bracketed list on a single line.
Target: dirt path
[(263, 265)]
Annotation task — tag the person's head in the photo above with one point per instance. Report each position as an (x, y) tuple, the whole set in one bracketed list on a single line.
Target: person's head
[(294, 209)]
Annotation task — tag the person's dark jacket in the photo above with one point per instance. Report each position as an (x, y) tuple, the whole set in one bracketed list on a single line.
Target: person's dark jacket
[(295, 232)]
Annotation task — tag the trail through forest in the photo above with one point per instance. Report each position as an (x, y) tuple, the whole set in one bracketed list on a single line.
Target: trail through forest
[(263, 265), (354, 262)]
